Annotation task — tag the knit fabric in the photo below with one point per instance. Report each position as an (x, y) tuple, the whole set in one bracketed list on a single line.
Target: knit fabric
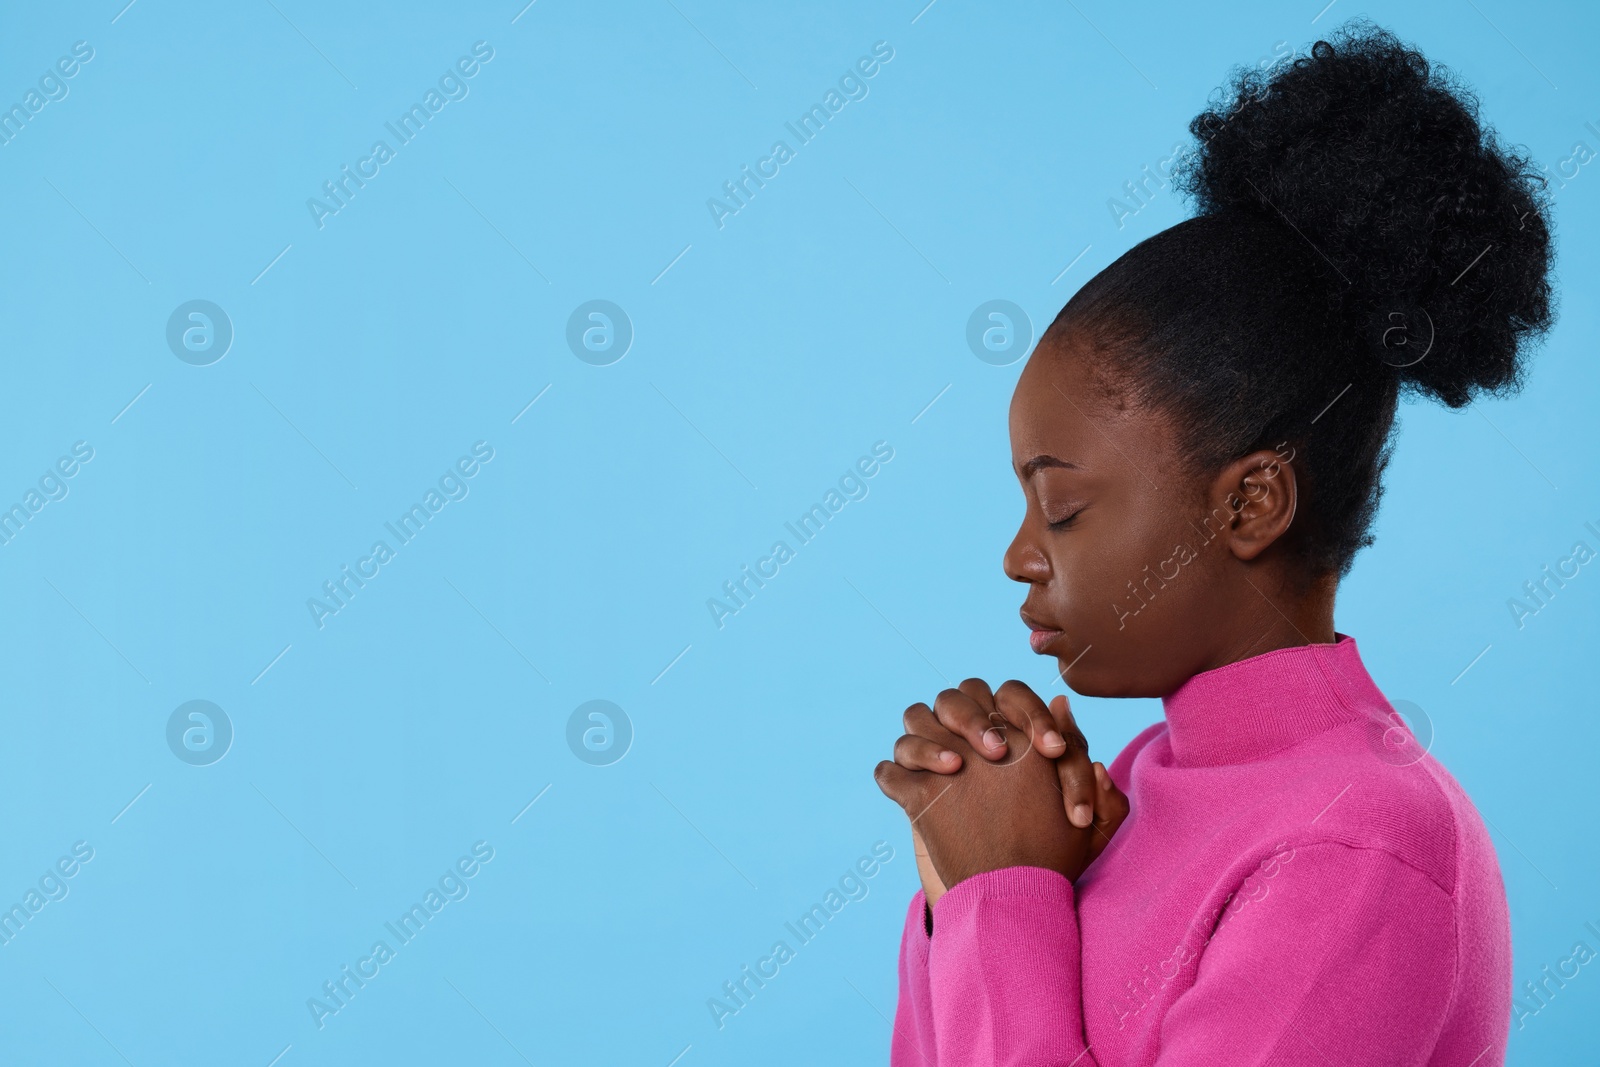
[(1297, 883)]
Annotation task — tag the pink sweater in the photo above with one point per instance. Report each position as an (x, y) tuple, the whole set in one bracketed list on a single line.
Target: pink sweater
[(1297, 883)]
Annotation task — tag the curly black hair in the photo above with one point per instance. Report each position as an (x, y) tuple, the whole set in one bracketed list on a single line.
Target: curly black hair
[(1359, 233)]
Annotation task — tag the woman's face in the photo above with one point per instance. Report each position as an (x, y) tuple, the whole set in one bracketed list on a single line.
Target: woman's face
[(1128, 579)]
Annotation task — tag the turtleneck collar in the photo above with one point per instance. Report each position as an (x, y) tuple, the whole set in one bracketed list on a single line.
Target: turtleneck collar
[(1250, 709)]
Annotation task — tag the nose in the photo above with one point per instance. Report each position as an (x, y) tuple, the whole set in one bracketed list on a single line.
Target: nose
[(1024, 561)]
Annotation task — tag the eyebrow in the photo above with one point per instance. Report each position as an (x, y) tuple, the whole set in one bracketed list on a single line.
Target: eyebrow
[(1038, 463)]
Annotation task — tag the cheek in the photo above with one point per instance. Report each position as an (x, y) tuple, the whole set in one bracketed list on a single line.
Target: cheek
[(1121, 557), (1133, 582)]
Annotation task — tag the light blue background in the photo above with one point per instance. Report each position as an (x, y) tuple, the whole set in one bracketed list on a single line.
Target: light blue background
[(822, 318)]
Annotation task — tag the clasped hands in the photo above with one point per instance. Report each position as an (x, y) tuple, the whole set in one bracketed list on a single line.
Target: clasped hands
[(998, 779)]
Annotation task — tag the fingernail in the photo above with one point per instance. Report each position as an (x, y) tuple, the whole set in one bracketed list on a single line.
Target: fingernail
[(947, 756), (994, 738), (1053, 739), (1082, 815)]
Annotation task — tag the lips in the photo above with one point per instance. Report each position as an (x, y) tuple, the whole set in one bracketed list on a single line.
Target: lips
[(1041, 639), (1041, 635)]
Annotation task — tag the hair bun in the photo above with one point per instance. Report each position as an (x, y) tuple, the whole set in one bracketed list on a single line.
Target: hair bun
[(1436, 236)]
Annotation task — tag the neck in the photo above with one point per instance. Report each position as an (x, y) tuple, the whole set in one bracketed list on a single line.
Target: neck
[(1275, 610)]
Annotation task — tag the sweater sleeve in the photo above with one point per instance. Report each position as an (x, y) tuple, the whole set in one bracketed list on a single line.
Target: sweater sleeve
[(912, 1044), (1002, 974), (1336, 958)]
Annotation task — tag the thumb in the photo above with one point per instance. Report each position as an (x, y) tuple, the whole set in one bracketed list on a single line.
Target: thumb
[(1061, 712), (1058, 710), (1110, 810)]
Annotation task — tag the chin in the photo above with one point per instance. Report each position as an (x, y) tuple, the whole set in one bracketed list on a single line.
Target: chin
[(1083, 679)]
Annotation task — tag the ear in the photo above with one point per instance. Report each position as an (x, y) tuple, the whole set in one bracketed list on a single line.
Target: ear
[(1260, 491)]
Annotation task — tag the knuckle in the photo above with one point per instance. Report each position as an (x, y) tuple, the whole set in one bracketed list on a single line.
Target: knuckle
[(1012, 687), (958, 711), (1079, 779)]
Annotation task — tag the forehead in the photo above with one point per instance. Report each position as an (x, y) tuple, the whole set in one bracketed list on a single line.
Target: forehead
[(1061, 404)]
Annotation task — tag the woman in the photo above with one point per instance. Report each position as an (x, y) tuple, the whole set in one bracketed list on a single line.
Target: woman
[(1275, 873)]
